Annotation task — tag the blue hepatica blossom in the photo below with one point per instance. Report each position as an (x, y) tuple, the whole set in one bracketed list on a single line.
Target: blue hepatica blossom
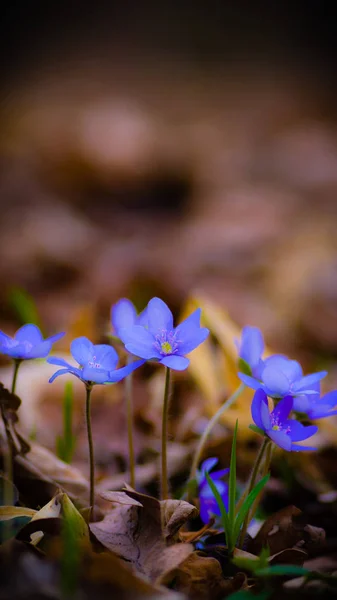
[(208, 503), (124, 315), (279, 376), (27, 343), (250, 349), (317, 407), (160, 340), (97, 363), (284, 432)]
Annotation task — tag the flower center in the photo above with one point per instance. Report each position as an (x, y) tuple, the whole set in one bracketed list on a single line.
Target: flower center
[(166, 348), (166, 342), (93, 364)]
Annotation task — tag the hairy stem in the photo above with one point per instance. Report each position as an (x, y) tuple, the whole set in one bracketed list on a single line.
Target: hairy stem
[(251, 484), (91, 446), (213, 421), (17, 363), (164, 476), (129, 418)]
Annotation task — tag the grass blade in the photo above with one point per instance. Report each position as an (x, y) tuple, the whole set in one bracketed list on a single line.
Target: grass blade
[(66, 443), (240, 517), (232, 480), (224, 515)]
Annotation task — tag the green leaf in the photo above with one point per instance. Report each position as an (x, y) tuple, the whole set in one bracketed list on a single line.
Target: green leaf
[(246, 595), (232, 480), (240, 517), (74, 533), (282, 570), (244, 367), (256, 429), (224, 515), (24, 305)]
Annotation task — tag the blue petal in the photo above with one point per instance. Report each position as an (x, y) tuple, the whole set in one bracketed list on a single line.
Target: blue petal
[(275, 381), (321, 411), (302, 403), (142, 318), (177, 363), (282, 410), (297, 448), (19, 351), (4, 338), (192, 319), (64, 372), (53, 360), (95, 375), (299, 432), (54, 338), (191, 337), (106, 356), (306, 383), (159, 316), (252, 345), (250, 381), (139, 341), (208, 464), (219, 474), (40, 350), (207, 508), (260, 411), (280, 438), (123, 314), (330, 398), (82, 350), (291, 368), (119, 374), (29, 333)]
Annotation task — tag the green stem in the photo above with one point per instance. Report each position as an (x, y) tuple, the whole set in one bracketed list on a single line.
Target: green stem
[(213, 421), (251, 484), (267, 461), (17, 363), (91, 446), (164, 477), (129, 419)]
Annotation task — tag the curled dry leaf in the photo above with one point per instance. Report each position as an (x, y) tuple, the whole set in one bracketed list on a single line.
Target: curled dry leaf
[(201, 578), (283, 530), (45, 465), (290, 556), (140, 531)]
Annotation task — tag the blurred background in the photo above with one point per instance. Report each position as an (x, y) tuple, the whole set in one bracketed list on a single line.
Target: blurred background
[(172, 149)]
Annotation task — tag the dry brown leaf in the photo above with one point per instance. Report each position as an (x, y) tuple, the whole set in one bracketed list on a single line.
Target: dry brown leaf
[(45, 465), (175, 513), (290, 556), (107, 568), (283, 531), (134, 530), (201, 578)]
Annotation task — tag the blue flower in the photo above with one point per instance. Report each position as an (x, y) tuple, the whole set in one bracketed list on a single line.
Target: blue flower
[(160, 341), (284, 432), (279, 376), (208, 503), (97, 363), (250, 350), (317, 407), (124, 315), (27, 343)]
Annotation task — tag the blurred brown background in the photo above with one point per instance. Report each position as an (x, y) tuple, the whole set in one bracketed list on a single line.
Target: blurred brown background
[(167, 148)]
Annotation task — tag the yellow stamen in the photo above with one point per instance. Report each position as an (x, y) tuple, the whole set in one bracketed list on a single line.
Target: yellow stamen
[(166, 348)]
